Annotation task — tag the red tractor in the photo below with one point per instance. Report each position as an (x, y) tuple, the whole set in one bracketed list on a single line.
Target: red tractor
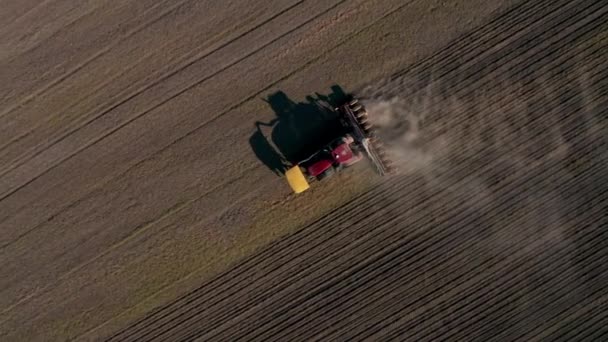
[(343, 151)]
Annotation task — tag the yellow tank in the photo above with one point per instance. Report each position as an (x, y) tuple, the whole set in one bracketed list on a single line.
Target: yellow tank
[(297, 180)]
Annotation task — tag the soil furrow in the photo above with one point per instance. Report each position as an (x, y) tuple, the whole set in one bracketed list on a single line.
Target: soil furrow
[(353, 247)]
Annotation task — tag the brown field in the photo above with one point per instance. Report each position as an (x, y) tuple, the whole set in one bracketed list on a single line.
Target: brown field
[(137, 199)]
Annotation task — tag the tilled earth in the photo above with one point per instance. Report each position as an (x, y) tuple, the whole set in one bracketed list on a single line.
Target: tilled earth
[(128, 178)]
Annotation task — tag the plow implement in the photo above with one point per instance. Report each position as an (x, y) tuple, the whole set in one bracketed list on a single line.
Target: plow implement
[(355, 118)]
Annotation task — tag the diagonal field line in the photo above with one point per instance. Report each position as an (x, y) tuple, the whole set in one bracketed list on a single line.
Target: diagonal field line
[(201, 126), (67, 24), (142, 90), (291, 74), (142, 114), (100, 53), (134, 166), (7, 24), (125, 95)]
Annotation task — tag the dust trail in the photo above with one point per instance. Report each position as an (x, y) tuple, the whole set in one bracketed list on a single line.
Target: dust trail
[(537, 121), (533, 142), (509, 141), (398, 125), (414, 132)]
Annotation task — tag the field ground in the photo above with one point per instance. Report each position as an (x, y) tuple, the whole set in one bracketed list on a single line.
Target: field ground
[(136, 203)]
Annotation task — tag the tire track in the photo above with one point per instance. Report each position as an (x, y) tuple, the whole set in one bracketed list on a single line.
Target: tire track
[(70, 72), (141, 114), (139, 230), (106, 134), (20, 5), (19, 46), (163, 217), (209, 48)]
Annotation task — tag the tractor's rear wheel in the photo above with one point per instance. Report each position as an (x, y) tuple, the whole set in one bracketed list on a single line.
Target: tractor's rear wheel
[(326, 174)]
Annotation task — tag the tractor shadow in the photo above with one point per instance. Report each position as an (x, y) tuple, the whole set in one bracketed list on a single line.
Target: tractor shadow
[(298, 130)]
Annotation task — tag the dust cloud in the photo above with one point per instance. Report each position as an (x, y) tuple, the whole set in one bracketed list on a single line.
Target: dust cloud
[(463, 150), (411, 130), (522, 145), (398, 125)]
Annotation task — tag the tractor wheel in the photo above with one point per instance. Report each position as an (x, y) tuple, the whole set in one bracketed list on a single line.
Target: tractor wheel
[(326, 174)]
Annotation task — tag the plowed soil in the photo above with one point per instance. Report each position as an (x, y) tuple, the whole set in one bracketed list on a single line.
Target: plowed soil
[(134, 204)]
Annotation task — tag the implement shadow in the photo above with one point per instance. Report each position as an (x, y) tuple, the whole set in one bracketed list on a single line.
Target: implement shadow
[(298, 130)]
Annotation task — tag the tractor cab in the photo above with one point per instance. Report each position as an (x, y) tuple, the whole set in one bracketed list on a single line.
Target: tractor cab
[(345, 152), (336, 155)]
